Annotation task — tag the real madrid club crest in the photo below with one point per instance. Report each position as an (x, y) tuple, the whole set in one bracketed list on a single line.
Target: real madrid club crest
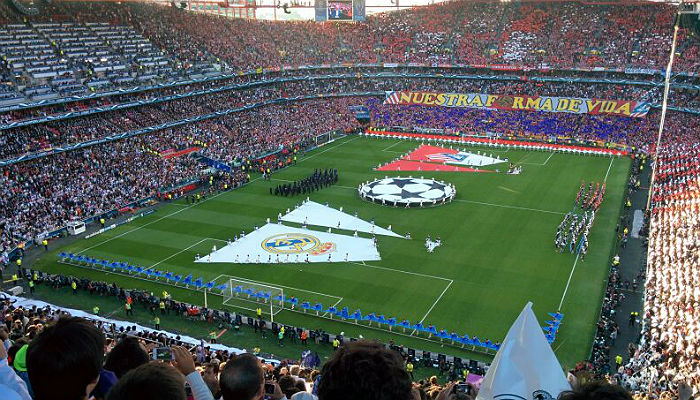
[(296, 243)]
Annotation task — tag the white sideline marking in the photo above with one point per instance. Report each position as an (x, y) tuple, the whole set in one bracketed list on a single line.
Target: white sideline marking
[(158, 220), (566, 289), (400, 141), (434, 304), (401, 271), (609, 166), (513, 207), (192, 205), (577, 255)]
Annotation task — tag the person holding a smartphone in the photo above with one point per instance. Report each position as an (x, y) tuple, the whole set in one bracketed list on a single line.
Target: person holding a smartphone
[(182, 360), (243, 378), (458, 391)]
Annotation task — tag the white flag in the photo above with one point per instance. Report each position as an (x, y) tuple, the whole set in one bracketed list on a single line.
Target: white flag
[(525, 367)]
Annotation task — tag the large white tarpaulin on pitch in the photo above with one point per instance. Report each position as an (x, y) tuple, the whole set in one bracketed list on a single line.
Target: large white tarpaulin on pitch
[(312, 213), (277, 243)]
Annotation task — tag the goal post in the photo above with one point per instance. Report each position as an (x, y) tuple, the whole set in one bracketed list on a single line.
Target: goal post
[(252, 295)]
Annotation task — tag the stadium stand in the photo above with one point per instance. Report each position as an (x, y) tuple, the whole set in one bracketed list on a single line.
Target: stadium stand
[(670, 341), (66, 65)]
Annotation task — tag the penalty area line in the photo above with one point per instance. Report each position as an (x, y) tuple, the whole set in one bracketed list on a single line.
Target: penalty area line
[(434, 304), (401, 271), (335, 304)]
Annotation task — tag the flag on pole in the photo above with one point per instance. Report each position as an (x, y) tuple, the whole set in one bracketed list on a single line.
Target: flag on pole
[(525, 367)]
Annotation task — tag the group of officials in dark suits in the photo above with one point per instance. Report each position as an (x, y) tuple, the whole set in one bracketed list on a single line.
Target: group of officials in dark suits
[(319, 179)]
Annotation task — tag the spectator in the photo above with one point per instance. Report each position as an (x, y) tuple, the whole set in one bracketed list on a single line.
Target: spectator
[(243, 379), (128, 354), (364, 370), (64, 360), (150, 381), (596, 391), (12, 387)]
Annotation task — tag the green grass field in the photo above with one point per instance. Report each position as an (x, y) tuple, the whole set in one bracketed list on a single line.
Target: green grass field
[(497, 251)]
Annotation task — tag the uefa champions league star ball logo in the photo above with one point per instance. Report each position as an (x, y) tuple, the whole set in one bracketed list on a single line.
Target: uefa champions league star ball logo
[(296, 243), (410, 192)]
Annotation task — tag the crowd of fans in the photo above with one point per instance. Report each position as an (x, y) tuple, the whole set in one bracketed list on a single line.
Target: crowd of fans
[(567, 34), (45, 353), (554, 34), (636, 133), (41, 195), (669, 351), (38, 137)]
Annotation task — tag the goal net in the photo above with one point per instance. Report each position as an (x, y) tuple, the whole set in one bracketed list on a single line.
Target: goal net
[(251, 295)]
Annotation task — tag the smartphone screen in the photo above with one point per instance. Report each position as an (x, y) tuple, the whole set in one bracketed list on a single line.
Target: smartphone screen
[(464, 388), (162, 353), (269, 388)]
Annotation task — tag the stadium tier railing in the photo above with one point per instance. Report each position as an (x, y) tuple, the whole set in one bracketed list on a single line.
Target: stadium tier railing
[(264, 82), (180, 122)]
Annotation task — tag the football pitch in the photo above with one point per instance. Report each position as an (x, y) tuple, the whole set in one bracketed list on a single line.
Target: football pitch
[(497, 248)]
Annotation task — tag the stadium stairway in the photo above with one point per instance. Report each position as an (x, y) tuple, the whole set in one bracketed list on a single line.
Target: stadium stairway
[(632, 260)]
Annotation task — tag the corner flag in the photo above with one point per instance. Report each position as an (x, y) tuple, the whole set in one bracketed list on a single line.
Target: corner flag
[(525, 367)]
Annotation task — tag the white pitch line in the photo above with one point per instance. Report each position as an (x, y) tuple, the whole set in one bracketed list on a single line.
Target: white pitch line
[(577, 255), (158, 220), (538, 164), (400, 141), (485, 204), (336, 303), (181, 251), (547, 160), (329, 149), (434, 304), (513, 207), (566, 289), (192, 205), (401, 271), (609, 166)]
